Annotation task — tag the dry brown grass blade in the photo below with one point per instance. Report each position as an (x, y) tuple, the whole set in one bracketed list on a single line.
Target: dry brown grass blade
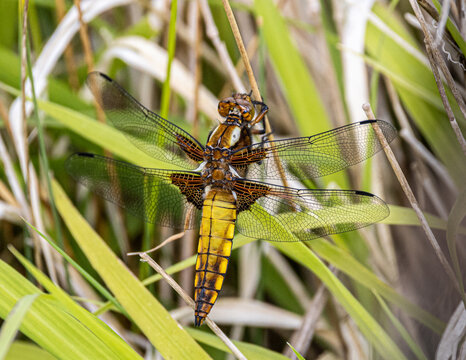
[(453, 343), (436, 61), (13, 180), (190, 302), (68, 53), (84, 36), (411, 198), (6, 195), (407, 134), (301, 339)]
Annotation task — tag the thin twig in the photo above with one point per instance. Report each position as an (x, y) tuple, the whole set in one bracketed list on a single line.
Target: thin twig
[(239, 67), (430, 159), (162, 244), (446, 32), (191, 303), (187, 223), (411, 198)]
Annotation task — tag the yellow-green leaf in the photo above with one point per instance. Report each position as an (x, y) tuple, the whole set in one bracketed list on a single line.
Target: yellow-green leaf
[(27, 351)]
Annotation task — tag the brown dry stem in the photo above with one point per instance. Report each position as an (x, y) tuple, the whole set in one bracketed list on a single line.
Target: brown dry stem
[(301, 338), (410, 195), (68, 53)]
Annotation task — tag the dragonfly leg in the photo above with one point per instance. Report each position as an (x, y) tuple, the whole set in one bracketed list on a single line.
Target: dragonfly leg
[(261, 115)]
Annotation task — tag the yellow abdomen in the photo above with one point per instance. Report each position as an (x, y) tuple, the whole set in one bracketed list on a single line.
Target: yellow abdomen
[(215, 242)]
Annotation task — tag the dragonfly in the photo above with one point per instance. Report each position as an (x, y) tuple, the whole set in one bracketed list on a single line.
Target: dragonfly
[(225, 184)]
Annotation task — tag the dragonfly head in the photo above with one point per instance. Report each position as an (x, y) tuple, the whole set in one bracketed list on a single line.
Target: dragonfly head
[(237, 108)]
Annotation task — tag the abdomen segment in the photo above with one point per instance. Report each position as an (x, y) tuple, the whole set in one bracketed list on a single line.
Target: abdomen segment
[(214, 250)]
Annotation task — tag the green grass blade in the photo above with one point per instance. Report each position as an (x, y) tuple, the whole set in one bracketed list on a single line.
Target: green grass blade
[(298, 355), (49, 322), (369, 327), (431, 120), (400, 215), (401, 329), (81, 270), (13, 322), (98, 327), (299, 88), (350, 266), (27, 351), (453, 30)]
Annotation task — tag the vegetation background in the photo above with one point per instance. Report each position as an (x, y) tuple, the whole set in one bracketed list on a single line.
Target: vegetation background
[(391, 291)]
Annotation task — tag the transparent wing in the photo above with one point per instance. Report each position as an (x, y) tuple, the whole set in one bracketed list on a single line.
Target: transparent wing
[(313, 156), (158, 196), (278, 213), (145, 129)]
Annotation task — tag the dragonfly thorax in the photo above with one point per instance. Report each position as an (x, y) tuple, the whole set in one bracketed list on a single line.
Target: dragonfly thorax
[(217, 170)]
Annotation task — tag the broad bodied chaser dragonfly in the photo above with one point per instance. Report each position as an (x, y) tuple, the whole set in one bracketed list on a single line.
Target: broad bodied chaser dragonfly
[(223, 186)]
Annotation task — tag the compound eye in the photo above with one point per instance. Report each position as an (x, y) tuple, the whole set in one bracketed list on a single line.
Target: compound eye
[(224, 108)]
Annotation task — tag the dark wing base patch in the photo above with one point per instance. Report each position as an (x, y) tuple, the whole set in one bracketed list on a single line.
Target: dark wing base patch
[(191, 186), (248, 192)]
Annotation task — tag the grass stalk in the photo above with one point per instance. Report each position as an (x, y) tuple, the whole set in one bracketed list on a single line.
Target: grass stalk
[(190, 302), (45, 163), (411, 198)]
